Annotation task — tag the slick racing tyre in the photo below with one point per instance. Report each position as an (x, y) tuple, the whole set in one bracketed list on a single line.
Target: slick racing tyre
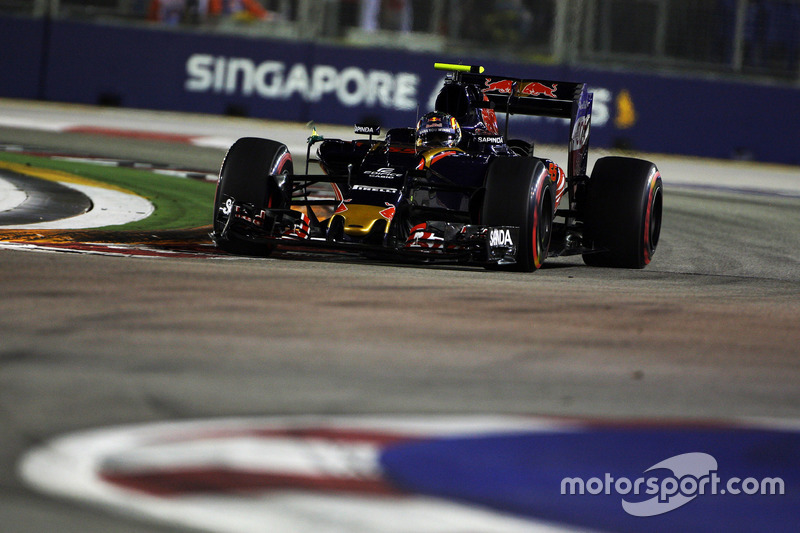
[(246, 177), (519, 192), (623, 206)]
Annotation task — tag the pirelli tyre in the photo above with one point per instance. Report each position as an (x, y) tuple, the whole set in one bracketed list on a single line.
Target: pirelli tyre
[(247, 177), (519, 192), (623, 207)]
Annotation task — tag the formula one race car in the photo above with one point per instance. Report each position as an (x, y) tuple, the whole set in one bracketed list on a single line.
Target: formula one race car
[(454, 188)]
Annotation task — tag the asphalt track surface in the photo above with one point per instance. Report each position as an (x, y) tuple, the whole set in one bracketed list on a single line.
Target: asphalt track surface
[(709, 330)]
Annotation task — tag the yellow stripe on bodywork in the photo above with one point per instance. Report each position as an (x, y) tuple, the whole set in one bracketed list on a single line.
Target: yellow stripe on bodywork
[(433, 152), (359, 219)]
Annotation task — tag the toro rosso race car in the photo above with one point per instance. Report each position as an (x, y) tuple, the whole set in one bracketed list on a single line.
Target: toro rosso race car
[(453, 188)]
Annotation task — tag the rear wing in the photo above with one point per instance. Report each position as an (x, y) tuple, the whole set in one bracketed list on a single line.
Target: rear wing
[(518, 96), (526, 97)]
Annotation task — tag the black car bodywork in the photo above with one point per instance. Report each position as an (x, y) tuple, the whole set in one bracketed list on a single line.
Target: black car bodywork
[(488, 201)]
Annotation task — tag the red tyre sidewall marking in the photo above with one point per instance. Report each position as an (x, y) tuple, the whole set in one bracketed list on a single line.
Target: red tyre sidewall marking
[(540, 182), (278, 169), (282, 162), (650, 198)]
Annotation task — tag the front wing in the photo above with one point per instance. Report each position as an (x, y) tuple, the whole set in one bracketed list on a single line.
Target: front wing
[(290, 229)]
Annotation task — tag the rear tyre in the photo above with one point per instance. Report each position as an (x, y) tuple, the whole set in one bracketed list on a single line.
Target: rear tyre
[(246, 177), (623, 207), (519, 193)]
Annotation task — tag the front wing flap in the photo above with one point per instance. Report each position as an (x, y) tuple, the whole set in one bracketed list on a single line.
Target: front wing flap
[(482, 244)]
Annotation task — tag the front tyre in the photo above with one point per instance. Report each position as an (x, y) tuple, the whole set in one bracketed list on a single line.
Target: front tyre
[(623, 207), (519, 193), (248, 177)]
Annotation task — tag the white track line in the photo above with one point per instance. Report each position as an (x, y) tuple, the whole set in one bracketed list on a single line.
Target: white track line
[(10, 196), (109, 208)]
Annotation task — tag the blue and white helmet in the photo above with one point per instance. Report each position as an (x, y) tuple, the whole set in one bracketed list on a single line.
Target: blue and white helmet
[(437, 129)]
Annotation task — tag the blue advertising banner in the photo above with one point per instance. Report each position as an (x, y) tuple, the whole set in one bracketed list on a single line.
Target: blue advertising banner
[(22, 41), (295, 81)]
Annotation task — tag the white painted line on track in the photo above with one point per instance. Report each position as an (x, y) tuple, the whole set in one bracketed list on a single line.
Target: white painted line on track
[(296, 146), (183, 174), (109, 208), (88, 160), (223, 143), (10, 196), (33, 123)]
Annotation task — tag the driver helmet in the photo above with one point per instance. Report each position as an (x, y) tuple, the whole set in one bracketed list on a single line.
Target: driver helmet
[(437, 129)]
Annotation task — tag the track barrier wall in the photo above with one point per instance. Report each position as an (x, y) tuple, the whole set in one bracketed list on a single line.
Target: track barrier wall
[(153, 68)]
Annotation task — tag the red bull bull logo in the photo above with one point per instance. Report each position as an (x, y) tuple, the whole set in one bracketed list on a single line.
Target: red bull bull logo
[(489, 118), (530, 88), (535, 88), (499, 86)]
